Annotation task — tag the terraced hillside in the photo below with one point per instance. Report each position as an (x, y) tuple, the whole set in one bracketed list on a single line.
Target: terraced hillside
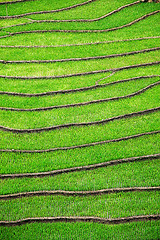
[(80, 93)]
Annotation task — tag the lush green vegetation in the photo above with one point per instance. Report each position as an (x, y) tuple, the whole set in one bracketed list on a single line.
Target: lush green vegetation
[(125, 175), (77, 51), (39, 85), (141, 29), (77, 114), (149, 230), (144, 173), (112, 206)]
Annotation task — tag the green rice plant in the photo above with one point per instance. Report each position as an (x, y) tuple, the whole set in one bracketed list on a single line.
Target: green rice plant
[(118, 176), (77, 51), (140, 29), (81, 135), (112, 91), (136, 230), (65, 68), (35, 6), (21, 162), (142, 172), (104, 110), (38, 86), (108, 206)]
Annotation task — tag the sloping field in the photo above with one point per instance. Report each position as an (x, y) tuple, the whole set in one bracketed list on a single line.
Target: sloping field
[(80, 117)]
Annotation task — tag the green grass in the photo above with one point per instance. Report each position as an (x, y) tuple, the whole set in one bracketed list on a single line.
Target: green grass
[(90, 11), (80, 135), (54, 69), (112, 206), (147, 100), (123, 175), (20, 163), (119, 19), (121, 89), (136, 231), (140, 29), (134, 174), (76, 51), (96, 8), (36, 86), (31, 6)]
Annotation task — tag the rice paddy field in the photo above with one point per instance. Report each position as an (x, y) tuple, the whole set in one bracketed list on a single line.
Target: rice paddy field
[(79, 119)]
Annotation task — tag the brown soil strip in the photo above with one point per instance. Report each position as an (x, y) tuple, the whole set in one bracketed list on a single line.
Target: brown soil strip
[(80, 219), (129, 115), (81, 59), (101, 79), (51, 11), (77, 193), (81, 104), (76, 20), (81, 168), (81, 146), (83, 73), (77, 89), (82, 31), (79, 44)]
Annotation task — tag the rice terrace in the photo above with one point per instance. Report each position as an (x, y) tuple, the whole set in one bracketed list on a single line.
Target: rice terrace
[(80, 119)]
